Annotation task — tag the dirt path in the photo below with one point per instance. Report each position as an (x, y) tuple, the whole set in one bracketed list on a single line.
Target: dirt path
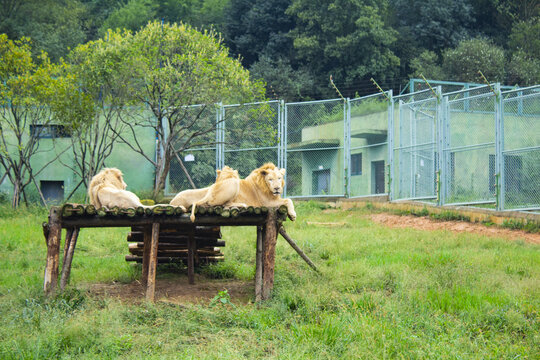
[(425, 223)]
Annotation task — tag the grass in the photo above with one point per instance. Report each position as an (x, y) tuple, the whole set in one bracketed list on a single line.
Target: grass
[(383, 293)]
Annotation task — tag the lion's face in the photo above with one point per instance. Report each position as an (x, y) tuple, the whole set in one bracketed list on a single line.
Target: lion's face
[(114, 178), (274, 180), (227, 173)]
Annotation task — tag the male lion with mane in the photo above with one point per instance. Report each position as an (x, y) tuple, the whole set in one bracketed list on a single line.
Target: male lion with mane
[(263, 187), (107, 188)]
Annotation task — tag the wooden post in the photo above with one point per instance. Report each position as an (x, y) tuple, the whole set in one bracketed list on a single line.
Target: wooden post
[(152, 263), (53, 250), (69, 232), (147, 238), (297, 248), (191, 245), (269, 253), (71, 240), (259, 265)]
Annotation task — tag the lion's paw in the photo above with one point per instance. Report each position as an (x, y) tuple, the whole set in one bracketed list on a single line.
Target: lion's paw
[(292, 216)]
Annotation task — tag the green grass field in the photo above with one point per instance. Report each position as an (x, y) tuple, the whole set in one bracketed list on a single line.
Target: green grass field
[(383, 293)]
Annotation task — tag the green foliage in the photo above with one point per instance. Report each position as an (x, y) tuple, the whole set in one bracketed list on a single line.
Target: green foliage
[(132, 16), (471, 56), (525, 225), (427, 64), (222, 298)]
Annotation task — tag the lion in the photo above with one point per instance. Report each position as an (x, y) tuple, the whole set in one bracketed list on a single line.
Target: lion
[(222, 192), (107, 188), (263, 187)]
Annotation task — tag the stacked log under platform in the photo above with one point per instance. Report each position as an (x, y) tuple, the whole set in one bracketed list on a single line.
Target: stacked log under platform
[(152, 225), (173, 244)]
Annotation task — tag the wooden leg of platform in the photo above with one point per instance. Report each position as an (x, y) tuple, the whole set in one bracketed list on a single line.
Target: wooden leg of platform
[(258, 264), (69, 232), (147, 238), (191, 257), (71, 240), (152, 264), (53, 251), (269, 254)]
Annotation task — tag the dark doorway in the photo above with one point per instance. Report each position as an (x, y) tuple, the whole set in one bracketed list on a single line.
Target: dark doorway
[(377, 170), (53, 191), (321, 182)]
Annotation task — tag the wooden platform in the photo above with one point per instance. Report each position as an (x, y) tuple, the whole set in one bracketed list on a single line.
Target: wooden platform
[(148, 221)]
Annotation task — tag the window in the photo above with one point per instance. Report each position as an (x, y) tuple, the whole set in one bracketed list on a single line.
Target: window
[(48, 131), (356, 164)]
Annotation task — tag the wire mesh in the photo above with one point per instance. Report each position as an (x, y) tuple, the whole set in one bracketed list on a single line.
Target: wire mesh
[(196, 165), (252, 135), (469, 146), (315, 150), (521, 149), (368, 145)]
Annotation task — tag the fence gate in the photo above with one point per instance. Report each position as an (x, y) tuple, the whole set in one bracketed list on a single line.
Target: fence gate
[(314, 140), (469, 151), (521, 149), (415, 150)]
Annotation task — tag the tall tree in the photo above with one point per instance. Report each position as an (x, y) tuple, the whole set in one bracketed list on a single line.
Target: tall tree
[(174, 66), (347, 39), (33, 96)]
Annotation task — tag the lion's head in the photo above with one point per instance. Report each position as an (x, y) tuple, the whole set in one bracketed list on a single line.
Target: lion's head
[(106, 177), (269, 178), (226, 173)]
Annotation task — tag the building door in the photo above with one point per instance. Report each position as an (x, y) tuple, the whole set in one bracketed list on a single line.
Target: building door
[(321, 182), (53, 191), (377, 169)]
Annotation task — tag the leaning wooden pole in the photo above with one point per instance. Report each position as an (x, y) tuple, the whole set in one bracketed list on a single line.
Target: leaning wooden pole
[(68, 257), (54, 237), (298, 250)]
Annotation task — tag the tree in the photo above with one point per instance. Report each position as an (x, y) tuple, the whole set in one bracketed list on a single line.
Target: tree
[(347, 39), (34, 99), (471, 56), (102, 79), (258, 28), (173, 66), (427, 64), (132, 16), (524, 46)]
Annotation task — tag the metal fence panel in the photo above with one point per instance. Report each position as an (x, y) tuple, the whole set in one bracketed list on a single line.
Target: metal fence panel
[(197, 165), (469, 147), (252, 135), (368, 144), (315, 134), (415, 142), (521, 149)]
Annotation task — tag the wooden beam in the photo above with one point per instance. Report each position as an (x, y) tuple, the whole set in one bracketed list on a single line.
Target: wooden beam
[(152, 263), (192, 248), (259, 264), (146, 254), (53, 249), (297, 248), (269, 254), (71, 240)]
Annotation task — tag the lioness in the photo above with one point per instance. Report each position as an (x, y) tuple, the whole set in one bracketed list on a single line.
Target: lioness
[(222, 192), (107, 188), (263, 187)]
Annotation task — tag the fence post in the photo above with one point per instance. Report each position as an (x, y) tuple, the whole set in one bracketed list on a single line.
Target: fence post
[(499, 148), (390, 144), (284, 147), (442, 118), (347, 146)]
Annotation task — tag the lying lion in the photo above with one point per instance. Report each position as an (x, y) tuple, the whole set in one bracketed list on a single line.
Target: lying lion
[(263, 187), (222, 192), (107, 188)]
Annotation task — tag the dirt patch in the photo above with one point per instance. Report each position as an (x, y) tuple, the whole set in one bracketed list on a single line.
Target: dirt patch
[(425, 223), (176, 289)]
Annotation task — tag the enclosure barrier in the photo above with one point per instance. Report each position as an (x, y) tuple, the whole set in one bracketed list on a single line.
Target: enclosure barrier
[(447, 144), (151, 220)]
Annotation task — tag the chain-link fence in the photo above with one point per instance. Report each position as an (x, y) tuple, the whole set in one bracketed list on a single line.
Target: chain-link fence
[(476, 146)]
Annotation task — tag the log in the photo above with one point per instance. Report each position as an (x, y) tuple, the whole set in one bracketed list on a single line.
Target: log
[(269, 254), (163, 244), (166, 260), (259, 264), (66, 266), (146, 254), (183, 229), (191, 249), (152, 263), (53, 249), (297, 249)]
